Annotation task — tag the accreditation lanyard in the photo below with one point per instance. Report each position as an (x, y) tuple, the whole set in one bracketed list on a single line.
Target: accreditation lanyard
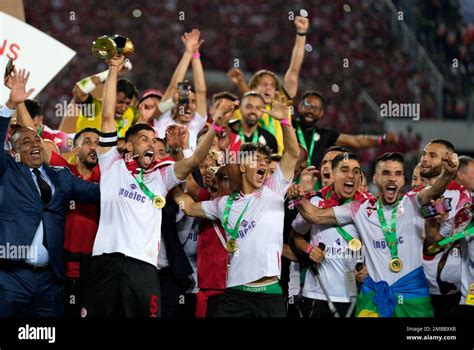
[(225, 220), (457, 236), (299, 132), (144, 188), (242, 135), (346, 235), (390, 235)]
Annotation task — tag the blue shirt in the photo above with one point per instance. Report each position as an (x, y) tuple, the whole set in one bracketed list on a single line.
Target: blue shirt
[(42, 256)]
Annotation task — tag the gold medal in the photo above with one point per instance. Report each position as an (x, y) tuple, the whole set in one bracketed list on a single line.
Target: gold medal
[(355, 245), (396, 265), (231, 246), (158, 202), (434, 248), (470, 295)]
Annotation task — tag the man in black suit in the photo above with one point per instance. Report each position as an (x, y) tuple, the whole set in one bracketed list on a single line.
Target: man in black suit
[(33, 204)]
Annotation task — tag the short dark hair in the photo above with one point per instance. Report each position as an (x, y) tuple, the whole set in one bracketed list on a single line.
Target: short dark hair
[(34, 108), (248, 147), (343, 156), (224, 94), (394, 156), (127, 87), (135, 129), (445, 143), (336, 149), (79, 134), (464, 162), (314, 93), (275, 157), (255, 79), (253, 94)]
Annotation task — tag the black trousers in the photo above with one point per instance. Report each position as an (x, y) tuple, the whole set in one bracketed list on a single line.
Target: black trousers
[(314, 308), (235, 303), (443, 305), (120, 286)]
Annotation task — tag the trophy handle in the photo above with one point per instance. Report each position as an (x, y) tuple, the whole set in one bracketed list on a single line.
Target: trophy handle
[(124, 45)]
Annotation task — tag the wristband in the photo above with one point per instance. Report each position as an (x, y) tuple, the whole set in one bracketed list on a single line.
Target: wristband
[(301, 34), (309, 249), (108, 139), (196, 55), (284, 122), (102, 75), (167, 105), (86, 85), (217, 128)]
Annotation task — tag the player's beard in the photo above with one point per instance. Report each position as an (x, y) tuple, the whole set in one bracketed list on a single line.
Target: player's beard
[(89, 164), (432, 172), (250, 122)]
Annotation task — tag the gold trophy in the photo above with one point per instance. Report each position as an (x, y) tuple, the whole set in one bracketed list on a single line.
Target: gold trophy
[(106, 47)]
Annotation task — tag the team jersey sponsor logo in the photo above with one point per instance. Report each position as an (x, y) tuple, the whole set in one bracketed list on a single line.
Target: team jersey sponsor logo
[(382, 243), (245, 227), (132, 194)]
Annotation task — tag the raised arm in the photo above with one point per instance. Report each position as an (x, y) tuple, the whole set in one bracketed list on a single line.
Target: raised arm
[(84, 87), (187, 204), (290, 82), (199, 82), (450, 167), (191, 43), (366, 141), (16, 82), (109, 99), (291, 151), (238, 78), (185, 166)]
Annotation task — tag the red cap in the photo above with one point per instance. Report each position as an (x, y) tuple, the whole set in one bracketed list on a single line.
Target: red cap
[(150, 93)]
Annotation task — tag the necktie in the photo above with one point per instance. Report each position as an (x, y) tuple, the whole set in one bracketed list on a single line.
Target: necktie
[(46, 194), (45, 189)]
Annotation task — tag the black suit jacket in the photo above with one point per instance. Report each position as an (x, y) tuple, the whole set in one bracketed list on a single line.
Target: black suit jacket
[(21, 207)]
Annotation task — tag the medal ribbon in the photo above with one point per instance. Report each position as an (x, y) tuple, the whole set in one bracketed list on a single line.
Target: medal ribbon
[(346, 235), (390, 235), (140, 183), (467, 232), (242, 135), (300, 135), (232, 232)]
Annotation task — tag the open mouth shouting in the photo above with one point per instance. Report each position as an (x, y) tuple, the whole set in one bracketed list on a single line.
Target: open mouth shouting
[(391, 192), (349, 187), (261, 174), (92, 155), (36, 154), (148, 157)]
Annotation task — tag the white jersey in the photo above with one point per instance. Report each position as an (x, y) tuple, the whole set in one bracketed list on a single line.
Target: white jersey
[(460, 223), (452, 270), (409, 229), (129, 224), (194, 126), (260, 236), (294, 284), (467, 268), (338, 260), (188, 229)]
